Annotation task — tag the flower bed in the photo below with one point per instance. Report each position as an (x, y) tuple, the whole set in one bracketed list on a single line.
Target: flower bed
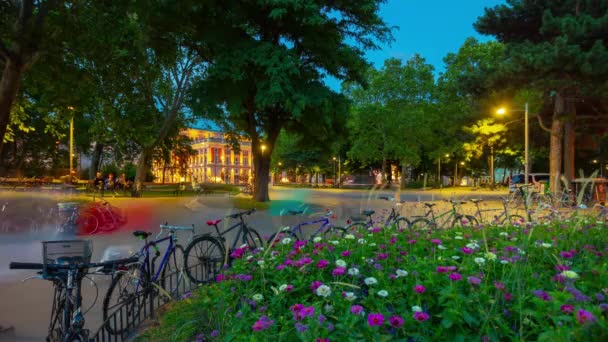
[(489, 284)]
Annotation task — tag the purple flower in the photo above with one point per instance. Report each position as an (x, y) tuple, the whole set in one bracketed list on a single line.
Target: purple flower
[(262, 324), (345, 253), (315, 285), (356, 309), (436, 241), (566, 254), (321, 318), (421, 316), (308, 311), (474, 281), (382, 256), (375, 319), (330, 327), (604, 307), (542, 295), (455, 276), (567, 309), (508, 297), (499, 285), (583, 317), (467, 250), (322, 263), (301, 327), (419, 289), (396, 321), (338, 271), (214, 333), (441, 269), (411, 242)]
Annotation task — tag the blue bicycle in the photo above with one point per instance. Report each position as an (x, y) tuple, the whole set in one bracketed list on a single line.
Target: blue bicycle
[(131, 286), (326, 228)]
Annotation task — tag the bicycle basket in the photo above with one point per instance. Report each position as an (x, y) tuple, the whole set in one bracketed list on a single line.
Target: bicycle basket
[(65, 252)]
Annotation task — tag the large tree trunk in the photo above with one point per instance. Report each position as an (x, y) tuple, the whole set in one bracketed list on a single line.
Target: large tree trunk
[(555, 149), (570, 143), (383, 173), (261, 167), (96, 160), (140, 173), (9, 86)]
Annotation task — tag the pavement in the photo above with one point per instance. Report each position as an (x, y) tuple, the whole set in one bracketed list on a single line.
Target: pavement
[(25, 306)]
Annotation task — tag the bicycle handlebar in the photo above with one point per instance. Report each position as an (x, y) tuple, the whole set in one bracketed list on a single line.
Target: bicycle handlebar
[(242, 213), (39, 266)]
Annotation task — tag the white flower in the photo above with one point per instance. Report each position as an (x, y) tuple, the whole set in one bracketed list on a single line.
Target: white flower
[(353, 271), (349, 237), (401, 273), (243, 246), (328, 308), (513, 239), (361, 241), (340, 263), (456, 257), (503, 234), (472, 245), (570, 274), (286, 241), (372, 244), (249, 257), (317, 239), (286, 228), (441, 247), (480, 261), (334, 242), (458, 237), (382, 293), (282, 287), (323, 291), (261, 263), (458, 233), (349, 296), (416, 308), (491, 256), (258, 297), (504, 262), (370, 281)]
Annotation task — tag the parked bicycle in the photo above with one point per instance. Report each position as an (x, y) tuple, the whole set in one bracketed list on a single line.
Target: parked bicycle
[(361, 223), (326, 228), (108, 217), (206, 254), (505, 217), (450, 218), (66, 264), (129, 289)]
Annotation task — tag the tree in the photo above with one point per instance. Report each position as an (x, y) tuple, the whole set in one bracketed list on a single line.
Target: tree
[(557, 46), (487, 133), (268, 61)]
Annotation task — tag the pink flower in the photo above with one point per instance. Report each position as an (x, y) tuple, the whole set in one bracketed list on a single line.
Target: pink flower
[(315, 285), (396, 321), (375, 319), (220, 277), (308, 311), (583, 316), (436, 241), (322, 263), (322, 340), (262, 324), (474, 281), (566, 254), (345, 253), (338, 271), (441, 269), (567, 309), (382, 256), (419, 289), (499, 285), (562, 268), (508, 297), (421, 316), (467, 250), (412, 242), (455, 276), (356, 309)]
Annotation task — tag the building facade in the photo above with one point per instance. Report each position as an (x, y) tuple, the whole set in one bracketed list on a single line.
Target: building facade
[(213, 162)]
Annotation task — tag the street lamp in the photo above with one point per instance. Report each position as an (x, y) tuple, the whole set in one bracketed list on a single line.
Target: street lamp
[(263, 147), (502, 111), (439, 170), (71, 109), (335, 180)]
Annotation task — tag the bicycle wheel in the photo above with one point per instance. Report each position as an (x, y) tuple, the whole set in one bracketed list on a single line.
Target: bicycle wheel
[(87, 224), (516, 199), (125, 300), (420, 224), (334, 232), (203, 259), (172, 276), (402, 223), (252, 239), (464, 221), (513, 220)]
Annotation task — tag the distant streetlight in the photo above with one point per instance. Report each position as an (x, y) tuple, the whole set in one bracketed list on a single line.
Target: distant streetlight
[(71, 109), (335, 178), (439, 169), (263, 147), (503, 111)]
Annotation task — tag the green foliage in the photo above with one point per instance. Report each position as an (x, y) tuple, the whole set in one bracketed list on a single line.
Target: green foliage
[(487, 133)]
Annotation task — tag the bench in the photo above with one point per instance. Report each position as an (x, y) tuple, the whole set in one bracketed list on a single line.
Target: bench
[(175, 189)]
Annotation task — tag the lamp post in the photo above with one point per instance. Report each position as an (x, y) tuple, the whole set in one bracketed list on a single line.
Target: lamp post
[(335, 180), (503, 111), (439, 170), (71, 143)]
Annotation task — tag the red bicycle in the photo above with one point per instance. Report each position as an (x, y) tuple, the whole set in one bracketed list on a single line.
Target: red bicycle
[(108, 217)]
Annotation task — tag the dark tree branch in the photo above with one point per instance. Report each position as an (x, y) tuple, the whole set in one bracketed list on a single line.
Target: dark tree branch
[(542, 125)]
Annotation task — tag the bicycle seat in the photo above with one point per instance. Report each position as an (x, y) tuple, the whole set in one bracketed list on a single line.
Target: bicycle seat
[(295, 212), (213, 222), (430, 205), (368, 212), (141, 234), (476, 200)]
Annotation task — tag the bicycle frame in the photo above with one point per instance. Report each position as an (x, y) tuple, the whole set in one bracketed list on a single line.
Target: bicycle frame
[(451, 215), (298, 228), (243, 231)]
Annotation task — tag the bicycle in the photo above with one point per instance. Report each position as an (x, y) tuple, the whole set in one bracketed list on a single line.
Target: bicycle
[(326, 228), (131, 286), (67, 272), (210, 251), (504, 217), (365, 221), (432, 220), (108, 216)]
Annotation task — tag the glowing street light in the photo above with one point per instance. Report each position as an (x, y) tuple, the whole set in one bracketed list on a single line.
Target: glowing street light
[(503, 111), (263, 147)]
